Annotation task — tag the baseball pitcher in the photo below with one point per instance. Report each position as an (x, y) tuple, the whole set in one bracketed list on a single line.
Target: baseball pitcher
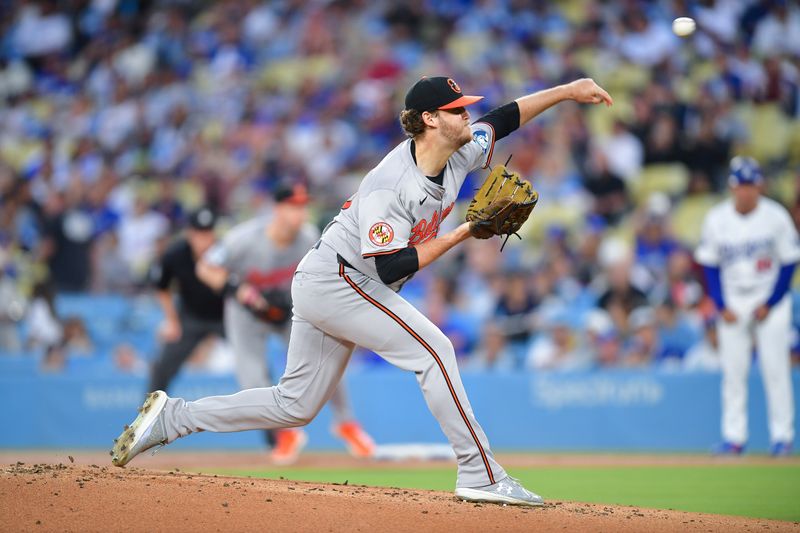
[(749, 249), (345, 289), (254, 265)]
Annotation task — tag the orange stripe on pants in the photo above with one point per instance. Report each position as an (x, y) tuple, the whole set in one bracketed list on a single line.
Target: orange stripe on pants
[(436, 358)]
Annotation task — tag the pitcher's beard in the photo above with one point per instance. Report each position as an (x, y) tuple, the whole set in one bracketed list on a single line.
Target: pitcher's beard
[(458, 136)]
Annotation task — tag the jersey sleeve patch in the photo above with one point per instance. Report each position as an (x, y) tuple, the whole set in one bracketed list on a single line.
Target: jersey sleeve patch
[(482, 138), (381, 234), (482, 145)]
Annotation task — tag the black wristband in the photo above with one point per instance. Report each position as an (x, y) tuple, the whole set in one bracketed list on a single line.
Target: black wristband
[(230, 287)]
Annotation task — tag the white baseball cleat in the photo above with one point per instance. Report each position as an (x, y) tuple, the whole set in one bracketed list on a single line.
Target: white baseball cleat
[(508, 491), (146, 432)]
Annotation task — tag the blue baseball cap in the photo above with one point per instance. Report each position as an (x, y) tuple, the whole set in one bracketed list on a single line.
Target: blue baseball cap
[(744, 171)]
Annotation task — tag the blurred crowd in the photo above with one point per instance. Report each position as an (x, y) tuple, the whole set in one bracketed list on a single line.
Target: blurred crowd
[(118, 117)]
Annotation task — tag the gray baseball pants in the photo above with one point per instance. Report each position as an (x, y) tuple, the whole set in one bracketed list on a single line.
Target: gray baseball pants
[(335, 309), (248, 338)]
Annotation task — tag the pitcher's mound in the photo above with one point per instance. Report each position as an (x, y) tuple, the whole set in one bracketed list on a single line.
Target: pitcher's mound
[(48, 497)]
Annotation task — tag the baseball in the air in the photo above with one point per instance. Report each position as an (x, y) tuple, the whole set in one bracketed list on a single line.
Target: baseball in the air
[(683, 26)]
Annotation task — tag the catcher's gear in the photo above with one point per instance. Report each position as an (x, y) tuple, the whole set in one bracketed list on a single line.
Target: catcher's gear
[(502, 204), (274, 306)]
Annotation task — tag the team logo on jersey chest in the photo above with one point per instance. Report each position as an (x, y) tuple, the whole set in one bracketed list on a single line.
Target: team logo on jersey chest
[(750, 249), (425, 230), (277, 277), (381, 234)]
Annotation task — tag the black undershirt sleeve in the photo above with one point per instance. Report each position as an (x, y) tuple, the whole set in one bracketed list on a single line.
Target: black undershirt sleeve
[(398, 265), (161, 273), (504, 119)]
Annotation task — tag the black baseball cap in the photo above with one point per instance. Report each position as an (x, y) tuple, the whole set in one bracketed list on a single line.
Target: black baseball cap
[(291, 193), (203, 219), (437, 92)]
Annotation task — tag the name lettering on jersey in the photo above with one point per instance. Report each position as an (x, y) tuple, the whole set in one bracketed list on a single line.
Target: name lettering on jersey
[(425, 230), (272, 278), (381, 234), (746, 250)]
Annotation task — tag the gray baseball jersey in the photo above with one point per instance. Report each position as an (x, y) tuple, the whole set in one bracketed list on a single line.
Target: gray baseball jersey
[(397, 206), (338, 307), (247, 252)]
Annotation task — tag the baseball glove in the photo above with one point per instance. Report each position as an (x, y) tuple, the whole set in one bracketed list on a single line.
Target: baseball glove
[(274, 306), (501, 205)]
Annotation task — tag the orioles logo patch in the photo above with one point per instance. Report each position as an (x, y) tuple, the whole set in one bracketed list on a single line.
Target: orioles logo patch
[(381, 234), (453, 85)]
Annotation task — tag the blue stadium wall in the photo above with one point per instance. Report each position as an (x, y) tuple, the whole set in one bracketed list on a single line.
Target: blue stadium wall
[(613, 411)]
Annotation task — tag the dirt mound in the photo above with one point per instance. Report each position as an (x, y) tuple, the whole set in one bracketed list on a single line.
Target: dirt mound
[(199, 461), (67, 497)]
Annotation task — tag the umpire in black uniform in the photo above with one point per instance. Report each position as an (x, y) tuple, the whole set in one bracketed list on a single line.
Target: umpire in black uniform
[(196, 313)]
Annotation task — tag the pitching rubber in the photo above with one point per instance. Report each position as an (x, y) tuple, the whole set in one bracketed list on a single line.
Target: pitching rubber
[(131, 435), (480, 496)]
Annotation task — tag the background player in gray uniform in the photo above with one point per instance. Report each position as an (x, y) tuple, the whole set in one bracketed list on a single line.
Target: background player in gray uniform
[(257, 256), (344, 290)]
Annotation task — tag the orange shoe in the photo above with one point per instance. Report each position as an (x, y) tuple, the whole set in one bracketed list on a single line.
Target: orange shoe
[(358, 441), (289, 444)]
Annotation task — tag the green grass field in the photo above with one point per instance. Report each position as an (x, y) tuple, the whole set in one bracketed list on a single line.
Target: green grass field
[(759, 491)]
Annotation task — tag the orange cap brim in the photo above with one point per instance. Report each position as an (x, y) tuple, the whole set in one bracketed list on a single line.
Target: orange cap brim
[(297, 199), (464, 101)]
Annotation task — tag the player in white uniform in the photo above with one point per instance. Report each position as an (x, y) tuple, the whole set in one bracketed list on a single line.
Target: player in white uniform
[(344, 290), (749, 249), (258, 258)]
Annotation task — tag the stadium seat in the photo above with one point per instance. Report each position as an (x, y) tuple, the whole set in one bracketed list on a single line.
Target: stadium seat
[(769, 132), (794, 143), (687, 218), (548, 215), (782, 186), (669, 178)]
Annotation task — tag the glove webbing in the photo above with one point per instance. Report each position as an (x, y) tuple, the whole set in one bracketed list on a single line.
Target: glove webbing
[(506, 175)]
